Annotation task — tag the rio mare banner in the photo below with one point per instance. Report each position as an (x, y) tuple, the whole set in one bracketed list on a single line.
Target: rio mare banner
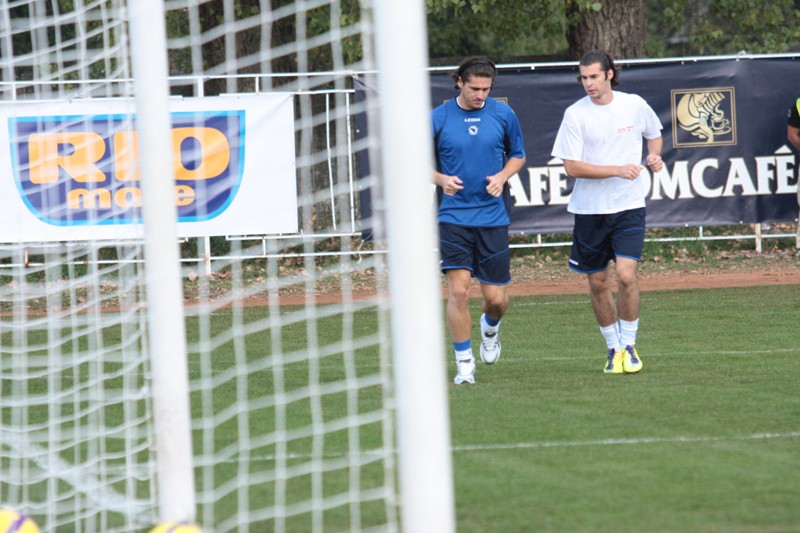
[(727, 159), (71, 168)]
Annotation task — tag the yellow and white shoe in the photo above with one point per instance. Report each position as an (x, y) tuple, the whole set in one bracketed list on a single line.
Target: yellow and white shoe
[(614, 364), (631, 362)]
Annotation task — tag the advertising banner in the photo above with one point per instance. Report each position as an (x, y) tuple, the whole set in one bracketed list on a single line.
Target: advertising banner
[(71, 169), (727, 159)]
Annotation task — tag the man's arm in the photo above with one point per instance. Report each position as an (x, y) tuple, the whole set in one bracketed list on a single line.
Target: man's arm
[(579, 169), (793, 134), (654, 147)]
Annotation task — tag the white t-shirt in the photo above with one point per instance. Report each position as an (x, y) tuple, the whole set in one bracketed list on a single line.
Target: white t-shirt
[(606, 135)]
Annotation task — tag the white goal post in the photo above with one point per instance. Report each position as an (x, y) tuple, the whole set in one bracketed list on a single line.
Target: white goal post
[(425, 472), (273, 387), (167, 334)]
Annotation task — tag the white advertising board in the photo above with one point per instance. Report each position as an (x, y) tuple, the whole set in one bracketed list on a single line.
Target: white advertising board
[(69, 172)]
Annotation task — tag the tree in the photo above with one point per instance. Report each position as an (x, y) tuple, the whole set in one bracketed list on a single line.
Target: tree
[(510, 29), (503, 29), (568, 28), (249, 44), (713, 27), (617, 26)]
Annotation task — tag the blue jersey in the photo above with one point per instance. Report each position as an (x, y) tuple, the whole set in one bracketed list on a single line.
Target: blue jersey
[(474, 145)]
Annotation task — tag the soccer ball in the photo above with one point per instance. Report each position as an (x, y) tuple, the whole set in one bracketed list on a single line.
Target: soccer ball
[(12, 521), (176, 527)]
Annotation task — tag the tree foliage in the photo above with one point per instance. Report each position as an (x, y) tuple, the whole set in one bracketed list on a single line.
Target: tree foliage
[(285, 28), (692, 27), (503, 29), (508, 28), (512, 29)]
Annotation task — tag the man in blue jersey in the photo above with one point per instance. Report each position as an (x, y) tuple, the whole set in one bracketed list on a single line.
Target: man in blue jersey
[(600, 141), (478, 147)]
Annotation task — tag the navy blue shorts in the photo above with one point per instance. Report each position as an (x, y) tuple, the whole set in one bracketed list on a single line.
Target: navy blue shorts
[(598, 239), (482, 251)]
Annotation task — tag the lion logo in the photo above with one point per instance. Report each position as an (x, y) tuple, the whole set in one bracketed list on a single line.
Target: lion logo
[(706, 114)]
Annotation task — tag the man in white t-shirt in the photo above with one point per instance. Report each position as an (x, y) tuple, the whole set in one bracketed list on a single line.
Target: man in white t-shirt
[(600, 141)]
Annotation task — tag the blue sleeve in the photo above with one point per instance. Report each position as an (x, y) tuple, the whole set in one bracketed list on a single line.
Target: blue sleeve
[(515, 145), (437, 123), (438, 118)]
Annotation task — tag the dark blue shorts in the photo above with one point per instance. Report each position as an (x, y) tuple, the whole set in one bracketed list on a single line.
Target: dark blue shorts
[(598, 239), (482, 251)]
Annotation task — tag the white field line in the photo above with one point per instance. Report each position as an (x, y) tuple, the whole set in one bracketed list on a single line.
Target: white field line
[(115, 500), (516, 303), (572, 357), (637, 440), (194, 365), (552, 444), (653, 301)]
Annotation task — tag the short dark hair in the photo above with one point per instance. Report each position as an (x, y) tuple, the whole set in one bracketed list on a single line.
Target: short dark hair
[(606, 64), (474, 66)]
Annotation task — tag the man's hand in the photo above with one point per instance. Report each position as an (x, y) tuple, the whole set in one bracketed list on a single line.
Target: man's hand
[(655, 162), (630, 172), (494, 185), (451, 185)]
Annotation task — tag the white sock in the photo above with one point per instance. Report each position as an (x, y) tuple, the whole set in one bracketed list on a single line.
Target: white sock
[(464, 355), (611, 335), (627, 332)]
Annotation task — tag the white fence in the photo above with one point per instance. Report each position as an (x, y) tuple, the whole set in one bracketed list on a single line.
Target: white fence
[(335, 185)]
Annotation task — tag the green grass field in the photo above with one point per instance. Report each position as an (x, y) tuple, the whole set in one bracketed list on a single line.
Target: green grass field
[(705, 439)]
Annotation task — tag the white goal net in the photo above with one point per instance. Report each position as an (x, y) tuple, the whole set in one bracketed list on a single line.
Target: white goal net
[(218, 292)]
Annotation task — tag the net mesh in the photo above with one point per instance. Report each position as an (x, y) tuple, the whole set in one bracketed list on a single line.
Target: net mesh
[(288, 345)]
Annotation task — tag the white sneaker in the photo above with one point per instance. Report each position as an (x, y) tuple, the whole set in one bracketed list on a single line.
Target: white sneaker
[(466, 371), (490, 344)]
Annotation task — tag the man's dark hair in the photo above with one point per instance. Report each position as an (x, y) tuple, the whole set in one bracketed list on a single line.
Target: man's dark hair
[(474, 66), (606, 64)]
